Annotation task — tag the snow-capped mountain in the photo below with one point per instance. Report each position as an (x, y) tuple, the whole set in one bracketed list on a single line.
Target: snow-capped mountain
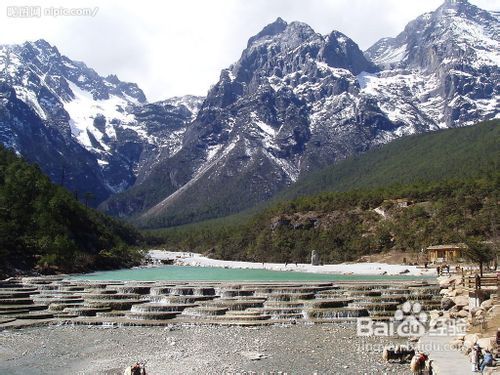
[(297, 100), (443, 68), (101, 120), (294, 102), (285, 107)]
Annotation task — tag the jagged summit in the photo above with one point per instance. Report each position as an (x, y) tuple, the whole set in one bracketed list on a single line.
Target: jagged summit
[(456, 31), (273, 28), (447, 61)]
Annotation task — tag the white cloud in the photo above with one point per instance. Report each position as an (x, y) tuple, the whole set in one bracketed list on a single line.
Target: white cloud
[(178, 47)]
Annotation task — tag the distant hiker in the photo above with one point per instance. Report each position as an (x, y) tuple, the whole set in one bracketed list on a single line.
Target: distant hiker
[(438, 269), (448, 269), (425, 265)]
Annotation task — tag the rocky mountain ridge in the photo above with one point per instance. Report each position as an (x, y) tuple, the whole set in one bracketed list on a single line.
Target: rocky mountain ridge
[(97, 134), (294, 102)]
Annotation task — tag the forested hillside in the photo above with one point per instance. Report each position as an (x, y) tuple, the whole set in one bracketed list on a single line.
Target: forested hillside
[(344, 226), (450, 153), (421, 190), (44, 228)]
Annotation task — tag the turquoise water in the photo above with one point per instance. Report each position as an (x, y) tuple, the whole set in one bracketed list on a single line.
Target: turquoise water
[(178, 273)]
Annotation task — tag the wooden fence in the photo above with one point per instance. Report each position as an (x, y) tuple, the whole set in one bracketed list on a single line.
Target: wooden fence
[(472, 282)]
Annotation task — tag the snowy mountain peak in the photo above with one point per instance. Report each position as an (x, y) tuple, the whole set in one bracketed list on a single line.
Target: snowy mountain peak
[(102, 121), (446, 61), (457, 32), (273, 28)]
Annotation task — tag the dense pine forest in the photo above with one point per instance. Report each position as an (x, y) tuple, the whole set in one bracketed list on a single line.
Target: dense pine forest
[(433, 188), (343, 226), (45, 229)]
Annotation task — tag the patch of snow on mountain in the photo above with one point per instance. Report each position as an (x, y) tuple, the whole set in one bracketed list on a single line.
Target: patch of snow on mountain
[(191, 102), (392, 55), (83, 109), (174, 141), (468, 33), (30, 98), (367, 82), (287, 166), (265, 131), (337, 72), (489, 105), (212, 151), (9, 62)]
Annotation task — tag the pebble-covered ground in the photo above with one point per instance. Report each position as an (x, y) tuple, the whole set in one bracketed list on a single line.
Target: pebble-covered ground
[(295, 349)]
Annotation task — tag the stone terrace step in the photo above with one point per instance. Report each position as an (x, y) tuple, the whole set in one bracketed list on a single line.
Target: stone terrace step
[(154, 307), (236, 304), (152, 315), (17, 301), (110, 314), (204, 311), (335, 313), (34, 315), (62, 306), (7, 308), (5, 313), (132, 289), (85, 311), (325, 303), (290, 297), (181, 299), (14, 294), (115, 296), (119, 304)]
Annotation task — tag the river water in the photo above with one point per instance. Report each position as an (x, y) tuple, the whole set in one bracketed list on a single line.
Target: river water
[(186, 273)]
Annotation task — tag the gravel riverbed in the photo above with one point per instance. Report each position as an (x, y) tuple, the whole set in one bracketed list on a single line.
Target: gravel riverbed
[(294, 349)]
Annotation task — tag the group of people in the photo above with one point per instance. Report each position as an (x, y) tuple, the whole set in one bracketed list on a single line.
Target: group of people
[(441, 269), (479, 361), (138, 368)]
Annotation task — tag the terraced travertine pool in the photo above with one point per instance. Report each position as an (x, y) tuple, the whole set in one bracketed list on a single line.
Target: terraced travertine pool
[(49, 299), (187, 273)]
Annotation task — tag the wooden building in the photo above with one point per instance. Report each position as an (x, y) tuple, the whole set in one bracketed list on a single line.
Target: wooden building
[(446, 253)]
